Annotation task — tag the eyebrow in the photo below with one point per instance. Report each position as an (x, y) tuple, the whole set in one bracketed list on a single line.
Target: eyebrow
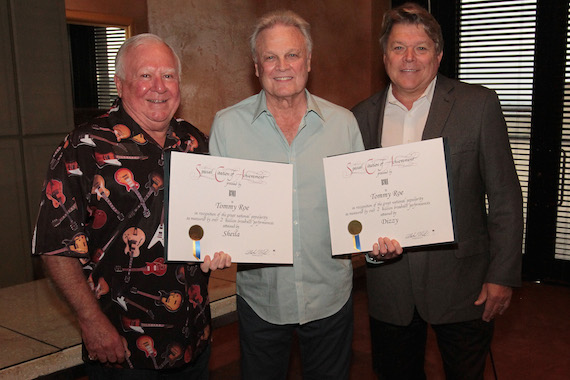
[(292, 50), (418, 43), (151, 68)]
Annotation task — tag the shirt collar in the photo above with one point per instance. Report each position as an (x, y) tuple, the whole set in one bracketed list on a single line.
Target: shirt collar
[(118, 115), (428, 93), (261, 105)]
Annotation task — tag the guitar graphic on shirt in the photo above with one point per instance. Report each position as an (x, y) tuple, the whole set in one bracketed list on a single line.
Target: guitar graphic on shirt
[(123, 302), (121, 132), (101, 191), (57, 222), (173, 353), (133, 238), (129, 324), (127, 353), (157, 267), (78, 244), (126, 178), (88, 139), (170, 300), (181, 278), (194, 297), (54, 192), (111, 158), (154, 185), (158, 236), (56, 157), (100, 252), (146, 344)]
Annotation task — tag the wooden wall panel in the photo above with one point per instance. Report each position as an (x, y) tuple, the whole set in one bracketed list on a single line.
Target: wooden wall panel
[(42, 64), (14, 235), (36, 112), (8, 95)]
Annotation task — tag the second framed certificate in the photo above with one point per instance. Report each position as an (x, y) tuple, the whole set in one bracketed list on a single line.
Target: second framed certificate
[(399, 192), (241, 207)]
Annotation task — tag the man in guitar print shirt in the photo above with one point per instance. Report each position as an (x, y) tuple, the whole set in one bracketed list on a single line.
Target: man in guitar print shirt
[(100, 228)]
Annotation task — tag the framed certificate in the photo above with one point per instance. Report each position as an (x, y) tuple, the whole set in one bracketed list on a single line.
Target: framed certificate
[(401, 192), (241, 207)]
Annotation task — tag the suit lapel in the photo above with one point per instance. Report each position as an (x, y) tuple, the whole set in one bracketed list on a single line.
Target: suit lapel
[(442, 103), (379, 118)]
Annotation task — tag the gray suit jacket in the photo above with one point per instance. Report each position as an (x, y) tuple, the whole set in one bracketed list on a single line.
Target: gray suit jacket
[(443, 282)]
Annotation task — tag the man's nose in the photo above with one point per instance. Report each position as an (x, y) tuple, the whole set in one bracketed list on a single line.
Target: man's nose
[(409, 55), (281, 64), (158, 84)]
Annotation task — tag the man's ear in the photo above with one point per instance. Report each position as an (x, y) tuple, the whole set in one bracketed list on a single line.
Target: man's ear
[(119, 85)]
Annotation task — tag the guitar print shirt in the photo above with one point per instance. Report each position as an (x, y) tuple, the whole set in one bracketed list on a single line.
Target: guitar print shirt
[(102, 203)]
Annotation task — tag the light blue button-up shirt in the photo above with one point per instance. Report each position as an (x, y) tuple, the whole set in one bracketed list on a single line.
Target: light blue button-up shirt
[(316, 285)]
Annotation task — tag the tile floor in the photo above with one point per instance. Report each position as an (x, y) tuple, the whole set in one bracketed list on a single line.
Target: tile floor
[(33, 322)]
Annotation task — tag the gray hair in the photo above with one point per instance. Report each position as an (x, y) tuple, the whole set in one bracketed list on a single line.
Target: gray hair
[(412, 14), (281, 17), (138, 40)]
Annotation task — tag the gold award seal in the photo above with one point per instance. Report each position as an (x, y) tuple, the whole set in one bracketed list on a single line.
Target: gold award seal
[(354, 227), (196, 232)]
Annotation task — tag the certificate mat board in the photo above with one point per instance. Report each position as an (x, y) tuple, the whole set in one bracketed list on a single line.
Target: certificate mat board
[(399, 192), (241, 207)]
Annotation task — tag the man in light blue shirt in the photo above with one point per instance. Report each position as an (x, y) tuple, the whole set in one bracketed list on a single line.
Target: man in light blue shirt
[(285, 123)]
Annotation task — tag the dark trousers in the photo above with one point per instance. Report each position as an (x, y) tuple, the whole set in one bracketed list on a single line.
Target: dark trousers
[(398, 352), (325, 345), (198, 370)]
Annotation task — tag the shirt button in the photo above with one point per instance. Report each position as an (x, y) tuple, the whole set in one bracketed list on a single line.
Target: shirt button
[(295, 222)]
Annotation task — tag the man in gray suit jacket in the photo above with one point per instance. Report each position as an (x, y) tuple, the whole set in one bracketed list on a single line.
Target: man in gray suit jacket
[(459, 288)]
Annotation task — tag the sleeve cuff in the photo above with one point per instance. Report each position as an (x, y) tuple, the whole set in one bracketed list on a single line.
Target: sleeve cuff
[(372, 260)]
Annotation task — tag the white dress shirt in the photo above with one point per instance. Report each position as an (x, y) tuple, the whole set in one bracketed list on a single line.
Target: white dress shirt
[(402, 126)]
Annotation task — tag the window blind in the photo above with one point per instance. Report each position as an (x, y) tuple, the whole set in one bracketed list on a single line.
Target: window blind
[(496, 50), (562, 244), (108, 40)]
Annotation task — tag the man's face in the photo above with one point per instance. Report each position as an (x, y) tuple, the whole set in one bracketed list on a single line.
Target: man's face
[(410, 60), (283, 63), (150, 91)]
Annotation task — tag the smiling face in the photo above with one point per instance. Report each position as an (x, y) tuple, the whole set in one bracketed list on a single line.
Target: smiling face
[(150, 91), (283, 62), (411, 61)]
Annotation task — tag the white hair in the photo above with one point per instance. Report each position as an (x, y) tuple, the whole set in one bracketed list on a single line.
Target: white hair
[(138, 40)]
